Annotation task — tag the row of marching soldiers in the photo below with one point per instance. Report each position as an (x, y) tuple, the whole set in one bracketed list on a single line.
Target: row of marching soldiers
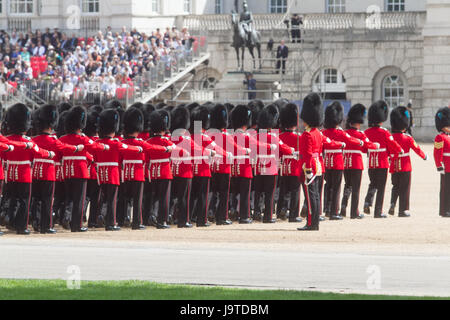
[(198, 163)]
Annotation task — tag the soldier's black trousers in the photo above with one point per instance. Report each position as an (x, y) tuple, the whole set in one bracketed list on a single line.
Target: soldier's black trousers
[(148, 202), (352, 187), (20, 198), (59, 202), (93, 198), (401, 187), (220, 186), (42, 193), (160, 190), (312, 197), (130, 191), (199, 199), (290, 186), (109, 197), (333, 180), (444, 205), (181, 192), (378, 178), (265, 185), (75, 197), (242, 187)]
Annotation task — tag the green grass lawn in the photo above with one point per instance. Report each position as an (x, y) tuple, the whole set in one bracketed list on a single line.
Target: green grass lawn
[(142, 290)]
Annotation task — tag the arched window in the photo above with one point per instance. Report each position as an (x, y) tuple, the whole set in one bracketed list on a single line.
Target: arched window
[(393, 91), (330, 82)]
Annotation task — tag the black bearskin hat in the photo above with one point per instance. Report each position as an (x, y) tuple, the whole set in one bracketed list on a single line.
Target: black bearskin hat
[(180, 118), (91, 128), (289, 116), (442, 119), (60, 127), (312, 111), (241, 116), (159, 121), (202, 114), (219, 117), (147, 110), (133, 121), (170, 108), (268, 117), (378, 112), (96, 108), (46, 117), (64, 106), (334, 115), (191, 107), (255, 107), (76, 119), (160, 105), (356, 114), (18, 119), (108, 122), (400, 119), (113, 104), (1, 112), (280, 103)]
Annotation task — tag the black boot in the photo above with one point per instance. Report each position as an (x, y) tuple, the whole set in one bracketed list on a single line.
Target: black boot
[(309, 228), (392, 209)]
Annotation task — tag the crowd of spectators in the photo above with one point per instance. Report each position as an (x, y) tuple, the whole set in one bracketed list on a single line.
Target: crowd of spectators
[(65, 64)]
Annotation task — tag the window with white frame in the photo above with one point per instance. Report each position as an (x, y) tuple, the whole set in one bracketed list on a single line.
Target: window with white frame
[(218, 7), (331, 82), (187, 6), (393, 91), (155, 6), (90, 6), (21, 6), (278, 6), (395, 5), (335, 6)]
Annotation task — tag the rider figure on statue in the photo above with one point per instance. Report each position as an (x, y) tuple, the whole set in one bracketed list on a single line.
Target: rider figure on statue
[(246, 21)]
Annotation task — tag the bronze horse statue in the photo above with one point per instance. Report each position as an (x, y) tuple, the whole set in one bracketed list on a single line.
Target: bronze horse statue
[(241, 40)]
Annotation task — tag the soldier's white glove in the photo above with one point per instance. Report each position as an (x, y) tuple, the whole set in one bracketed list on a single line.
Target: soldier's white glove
[(212, 153), (169, 149), (10, 148), (308, 175), (426, 157), (51, 154), (297, 155), (106, 147), (441, 170), (377, 145), (29, 145), (273, 147), (248, 151), (343, 145), (80, 148)]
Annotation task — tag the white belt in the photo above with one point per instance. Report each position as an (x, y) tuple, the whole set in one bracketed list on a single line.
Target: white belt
[(107, 164), (333, 151), (200, 158), (446, 154), (74, 158), (132, 162), (182, 159), (270, 156), (353, 151), (44, 161), (159, 161), (377, 150), (289, 157), (18, 163), (241, 157), (58, 163), (404, 155)]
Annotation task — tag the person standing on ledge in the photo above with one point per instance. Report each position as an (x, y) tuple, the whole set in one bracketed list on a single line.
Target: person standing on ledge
[(282, 55)]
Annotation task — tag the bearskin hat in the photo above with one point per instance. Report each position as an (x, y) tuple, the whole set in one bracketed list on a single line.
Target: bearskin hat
[(1, 111), (268, 117), (378, 112), (76, 119), (60, 129), (356, 114), (113, 104), (160, 105), (108, 122), (219, 117), (334, 115), (202, 114), (289, 116), (18, 119), (241, 116), (400, 119), (133, 120), (280, 103), (91, 128), (96, 108), (180, 118), (255, 107), (64, 106), (159, 121), (46, 117), (192, 106), (442, 119), (312, 111)]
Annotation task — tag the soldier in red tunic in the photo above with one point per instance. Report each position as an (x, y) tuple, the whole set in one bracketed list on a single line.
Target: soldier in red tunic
[(133, 174), (290, 166), (353, 161), (442, 158), (108, 164), (76, 168), (267, 159), (310, 147), (378, 159), (334, 158), (44, 174), (19, 169), (400, 167)]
